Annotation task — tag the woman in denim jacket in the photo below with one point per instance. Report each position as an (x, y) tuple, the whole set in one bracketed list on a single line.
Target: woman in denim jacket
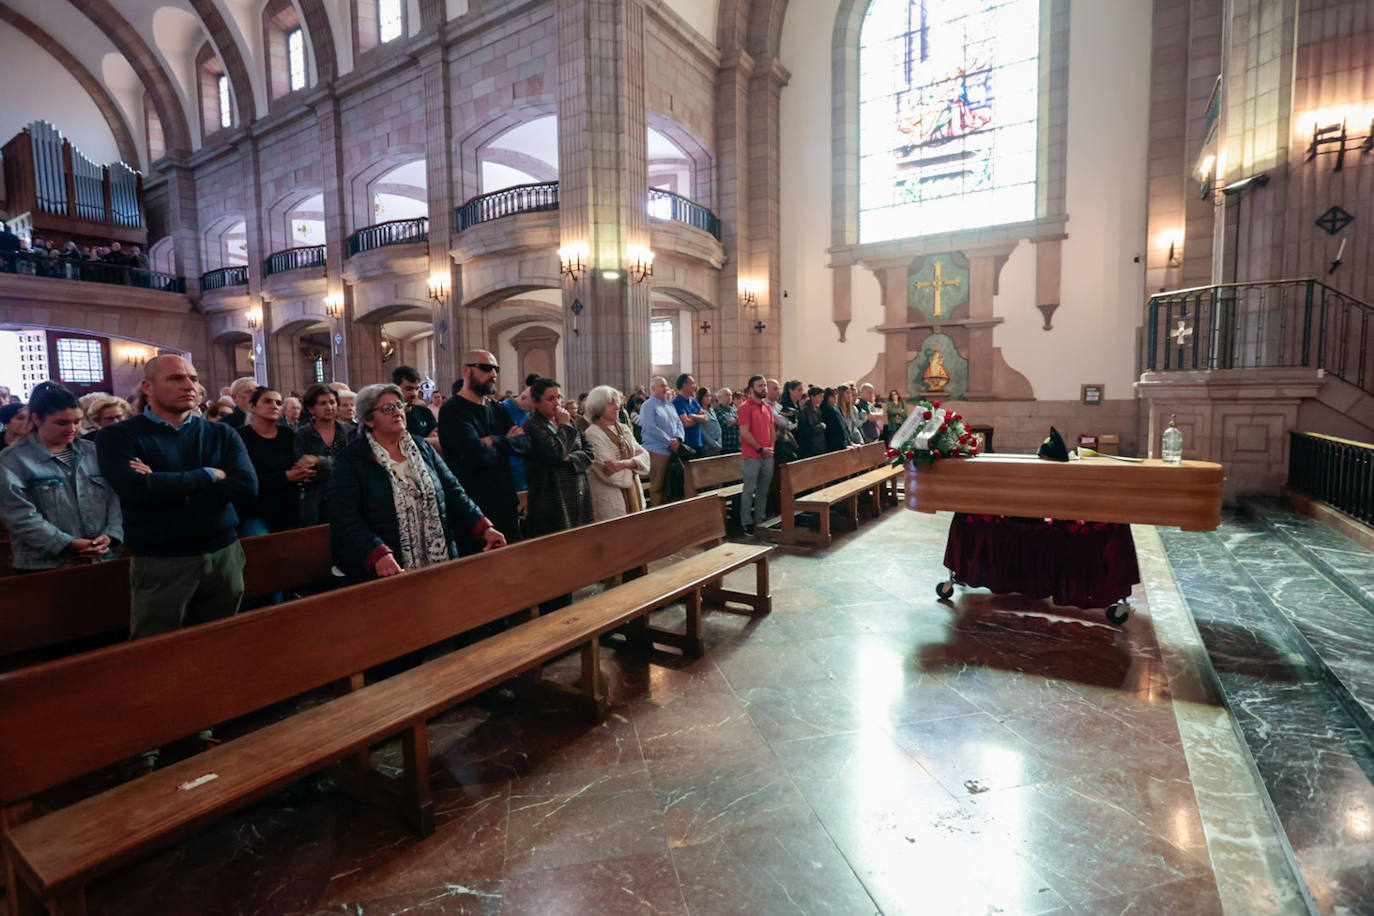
[(58, 508)]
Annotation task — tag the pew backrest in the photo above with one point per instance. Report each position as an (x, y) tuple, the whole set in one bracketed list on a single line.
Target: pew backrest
[(75, 715), (819, 470), (48, 608), (708, 473)]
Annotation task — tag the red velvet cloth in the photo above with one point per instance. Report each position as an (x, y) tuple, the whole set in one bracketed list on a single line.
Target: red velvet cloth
[(1076, 564)]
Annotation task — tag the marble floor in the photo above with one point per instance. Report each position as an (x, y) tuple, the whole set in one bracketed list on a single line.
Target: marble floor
[(865, 748)]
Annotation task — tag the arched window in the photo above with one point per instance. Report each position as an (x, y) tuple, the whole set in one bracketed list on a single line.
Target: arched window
[(948, 116), (376, 22), (216, 95), (287, 68)]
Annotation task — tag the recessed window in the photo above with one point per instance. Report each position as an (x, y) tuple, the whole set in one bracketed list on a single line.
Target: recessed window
[(79, 360), (226, 110), (295, 58), (661, 342), (389, 22)]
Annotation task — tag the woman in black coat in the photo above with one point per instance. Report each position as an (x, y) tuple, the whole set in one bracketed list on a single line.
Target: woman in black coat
[(394, 504), (836, 430), (810, 425)]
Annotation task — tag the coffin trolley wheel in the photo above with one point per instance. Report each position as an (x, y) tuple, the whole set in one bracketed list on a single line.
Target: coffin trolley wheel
[(1117, 613), (945, 590)]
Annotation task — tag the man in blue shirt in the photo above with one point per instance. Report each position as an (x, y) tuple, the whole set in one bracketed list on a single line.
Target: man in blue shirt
[(689, 409), (663, 435), (177, 477)]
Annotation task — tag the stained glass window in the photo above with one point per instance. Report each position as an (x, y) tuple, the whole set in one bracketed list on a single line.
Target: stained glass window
[(79, 360), (948, 105)]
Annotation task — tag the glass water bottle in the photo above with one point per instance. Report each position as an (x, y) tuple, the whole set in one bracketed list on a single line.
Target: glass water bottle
[(1172, 449)]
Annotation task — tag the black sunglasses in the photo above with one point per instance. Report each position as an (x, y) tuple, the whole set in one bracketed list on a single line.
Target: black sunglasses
[(485, 367)]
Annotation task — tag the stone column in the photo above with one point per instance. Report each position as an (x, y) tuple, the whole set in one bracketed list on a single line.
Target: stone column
[(603, 188), (449, 337), (732, 322), (253, 237), (765, 208), (335, 224), (183, 221)]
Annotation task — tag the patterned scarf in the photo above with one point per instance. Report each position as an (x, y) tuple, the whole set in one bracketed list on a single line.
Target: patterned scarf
[(423, 541)]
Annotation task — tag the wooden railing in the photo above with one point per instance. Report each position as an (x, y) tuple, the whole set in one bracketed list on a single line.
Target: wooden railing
[(524, 198), (225, 276), (293, 259), (1338, 472), (59, 268), (667, 205), (395, 232)]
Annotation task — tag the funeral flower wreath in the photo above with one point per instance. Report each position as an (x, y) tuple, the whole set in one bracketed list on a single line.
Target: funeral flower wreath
[(931, 432)]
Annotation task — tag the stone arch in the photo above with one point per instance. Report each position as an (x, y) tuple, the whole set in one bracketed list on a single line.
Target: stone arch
[(363, 181), (536, 350), (319, 34), (147, 66), (702, 160), (230, 53), (161, 255), (686, 298), (279, 216), (397, 311), (468, 166), (214, 251)]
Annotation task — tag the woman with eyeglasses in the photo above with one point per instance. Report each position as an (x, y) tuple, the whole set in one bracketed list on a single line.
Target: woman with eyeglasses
[(394, 504), (54, 501)]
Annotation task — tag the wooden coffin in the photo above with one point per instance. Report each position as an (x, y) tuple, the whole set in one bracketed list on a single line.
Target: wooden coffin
[(1185, 495)]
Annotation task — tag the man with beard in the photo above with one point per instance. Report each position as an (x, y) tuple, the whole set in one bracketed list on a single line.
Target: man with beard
[(478, 440)]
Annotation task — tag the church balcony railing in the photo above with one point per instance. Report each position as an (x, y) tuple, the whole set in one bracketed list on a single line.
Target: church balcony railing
[(395, 232), (1335, 471), (524, 198), (225, 276), (293, 259), (1262, 325), (34, 265), (675, 207)]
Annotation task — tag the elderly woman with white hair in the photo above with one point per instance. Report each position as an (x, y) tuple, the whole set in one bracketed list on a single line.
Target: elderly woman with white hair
[(614, 476), (394, 504)]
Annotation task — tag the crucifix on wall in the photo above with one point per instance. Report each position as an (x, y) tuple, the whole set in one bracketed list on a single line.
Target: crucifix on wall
[(938, 285)]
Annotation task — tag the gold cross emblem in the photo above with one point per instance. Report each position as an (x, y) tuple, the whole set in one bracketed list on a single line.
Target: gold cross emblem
[(938, 284)]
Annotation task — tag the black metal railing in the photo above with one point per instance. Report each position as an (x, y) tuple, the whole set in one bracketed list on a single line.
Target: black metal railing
[(1338, 472), (1267, 324), (293, 259), (225, 276), (667, 205), (523, 198), (60, 268), (395, 232)]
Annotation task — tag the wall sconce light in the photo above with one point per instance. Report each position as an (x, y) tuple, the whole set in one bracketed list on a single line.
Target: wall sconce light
[(1175, 249), (134, 356), (641, 263), (334, 306), (610, 275), (440, 285), (255, 318), (572, 260), (759, 326), (1338, 137), (388, 348), (749, 292)]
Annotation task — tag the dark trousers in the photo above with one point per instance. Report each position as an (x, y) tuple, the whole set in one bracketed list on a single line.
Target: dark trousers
[(168, 593)]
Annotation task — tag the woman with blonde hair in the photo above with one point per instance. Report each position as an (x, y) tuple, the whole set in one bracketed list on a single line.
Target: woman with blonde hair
[(614, 476), (106, 410)]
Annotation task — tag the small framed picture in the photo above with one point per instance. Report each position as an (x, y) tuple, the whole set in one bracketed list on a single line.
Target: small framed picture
[(1093, 394)]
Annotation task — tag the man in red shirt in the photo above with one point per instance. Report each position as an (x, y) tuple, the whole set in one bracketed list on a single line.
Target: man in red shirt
[(756, 435)]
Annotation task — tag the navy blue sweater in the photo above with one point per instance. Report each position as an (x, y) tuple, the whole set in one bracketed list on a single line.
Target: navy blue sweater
[(176, 511)]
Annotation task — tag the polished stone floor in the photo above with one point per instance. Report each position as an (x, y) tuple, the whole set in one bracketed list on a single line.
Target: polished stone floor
[(865, 748)]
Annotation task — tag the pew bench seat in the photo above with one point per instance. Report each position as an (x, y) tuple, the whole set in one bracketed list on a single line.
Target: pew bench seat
[(57, 854), (835, 479)]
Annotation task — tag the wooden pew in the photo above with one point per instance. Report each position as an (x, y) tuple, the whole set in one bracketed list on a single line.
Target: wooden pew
[(848, 474), (71, 717), (719, 475), (50, 608)]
